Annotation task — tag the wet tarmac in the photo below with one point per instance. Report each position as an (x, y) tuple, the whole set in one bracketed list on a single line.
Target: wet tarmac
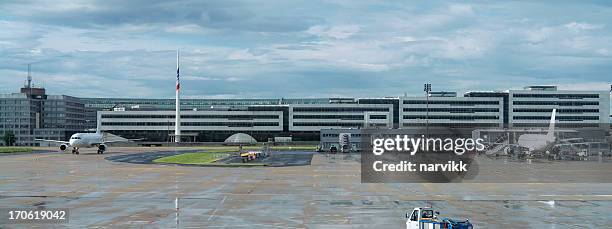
[(325, 194), (23, 153)]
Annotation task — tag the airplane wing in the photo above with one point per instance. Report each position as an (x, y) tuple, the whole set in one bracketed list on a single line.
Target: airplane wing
[(569, 140), (578, 143), (122, 140), (56, 141), (506, 144)]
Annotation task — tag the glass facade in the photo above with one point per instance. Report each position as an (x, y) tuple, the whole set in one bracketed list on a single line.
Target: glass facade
[(29, 117)]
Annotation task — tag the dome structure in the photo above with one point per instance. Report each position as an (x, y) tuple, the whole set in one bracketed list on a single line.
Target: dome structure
[(240, 139)]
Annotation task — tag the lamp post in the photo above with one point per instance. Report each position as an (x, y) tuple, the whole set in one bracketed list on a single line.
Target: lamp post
[(427, 89)]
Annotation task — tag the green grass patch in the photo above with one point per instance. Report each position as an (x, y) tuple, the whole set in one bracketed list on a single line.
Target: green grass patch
[(15, 150), (235, 164), (199, 158), (297, 147)]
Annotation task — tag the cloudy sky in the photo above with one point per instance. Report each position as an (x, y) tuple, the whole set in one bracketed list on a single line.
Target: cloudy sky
[(270, 49)]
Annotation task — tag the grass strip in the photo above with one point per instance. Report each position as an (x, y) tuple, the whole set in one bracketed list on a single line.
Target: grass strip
[(15, 150), (199, 158)]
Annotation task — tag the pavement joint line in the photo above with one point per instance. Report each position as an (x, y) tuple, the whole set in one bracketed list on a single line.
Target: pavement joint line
[(212, 215)]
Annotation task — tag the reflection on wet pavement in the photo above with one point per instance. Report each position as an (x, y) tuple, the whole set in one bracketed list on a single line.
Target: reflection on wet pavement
[(327, 193)]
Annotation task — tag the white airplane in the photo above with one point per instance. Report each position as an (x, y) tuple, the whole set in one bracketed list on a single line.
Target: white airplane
[(86, 140), (539, 142), (545, 142)]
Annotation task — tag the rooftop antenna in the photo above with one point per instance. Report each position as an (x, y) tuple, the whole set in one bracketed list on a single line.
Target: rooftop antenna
[(28, 84), (29, 77)]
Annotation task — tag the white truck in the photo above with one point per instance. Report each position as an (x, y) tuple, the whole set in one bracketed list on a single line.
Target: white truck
[(427, 218)]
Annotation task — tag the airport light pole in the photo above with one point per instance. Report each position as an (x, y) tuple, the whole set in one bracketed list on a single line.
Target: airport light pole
[(427, 89)]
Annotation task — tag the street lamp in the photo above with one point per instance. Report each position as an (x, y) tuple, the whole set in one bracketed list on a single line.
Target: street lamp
[(427, 89)]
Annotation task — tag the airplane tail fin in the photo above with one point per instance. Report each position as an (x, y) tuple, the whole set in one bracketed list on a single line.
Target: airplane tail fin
[(98, 123), (551, 127)]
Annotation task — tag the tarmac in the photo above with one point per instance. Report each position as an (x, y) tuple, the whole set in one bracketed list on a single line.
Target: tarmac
[(328, 193)]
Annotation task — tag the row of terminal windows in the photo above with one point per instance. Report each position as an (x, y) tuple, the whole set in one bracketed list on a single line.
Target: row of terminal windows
[(560, 118), (340, 109), (194, 116), (560, 125), (345, 117), (14, 114), (451, 125), (450, 117), (451, 102), (24, 102), (330, 135), (327, 124), (203, 102), (11, 126), (452, 110), (337, 135), (558, 110), (266, 108), (16, 120), (229, 124), (14, 108), (565, 103), (560, 96), (184, 102), (378, 117)]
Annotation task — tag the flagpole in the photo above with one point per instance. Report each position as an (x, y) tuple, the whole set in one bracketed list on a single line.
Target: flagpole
[(177, 121)]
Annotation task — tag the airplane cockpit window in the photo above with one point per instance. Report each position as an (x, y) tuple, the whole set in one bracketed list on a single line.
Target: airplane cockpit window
[(427, 214), (414, 216)]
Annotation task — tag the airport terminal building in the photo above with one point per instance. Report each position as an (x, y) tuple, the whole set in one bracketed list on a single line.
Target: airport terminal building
[(301, 122), (303, 119), (213, 120), (33, 114)]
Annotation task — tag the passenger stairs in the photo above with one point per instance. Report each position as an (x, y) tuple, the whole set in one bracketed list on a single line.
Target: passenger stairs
[(498, 147)]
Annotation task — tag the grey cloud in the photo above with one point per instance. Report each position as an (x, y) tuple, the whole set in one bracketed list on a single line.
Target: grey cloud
[(223, 15), (263, 49)]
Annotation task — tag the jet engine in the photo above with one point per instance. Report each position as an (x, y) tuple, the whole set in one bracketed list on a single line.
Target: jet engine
[(102, 148), (63, 147)]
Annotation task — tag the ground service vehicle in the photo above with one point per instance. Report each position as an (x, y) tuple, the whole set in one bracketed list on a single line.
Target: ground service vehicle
[(427, 218)]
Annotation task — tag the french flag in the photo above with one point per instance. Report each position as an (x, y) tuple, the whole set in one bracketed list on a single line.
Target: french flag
[(178, 83)]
